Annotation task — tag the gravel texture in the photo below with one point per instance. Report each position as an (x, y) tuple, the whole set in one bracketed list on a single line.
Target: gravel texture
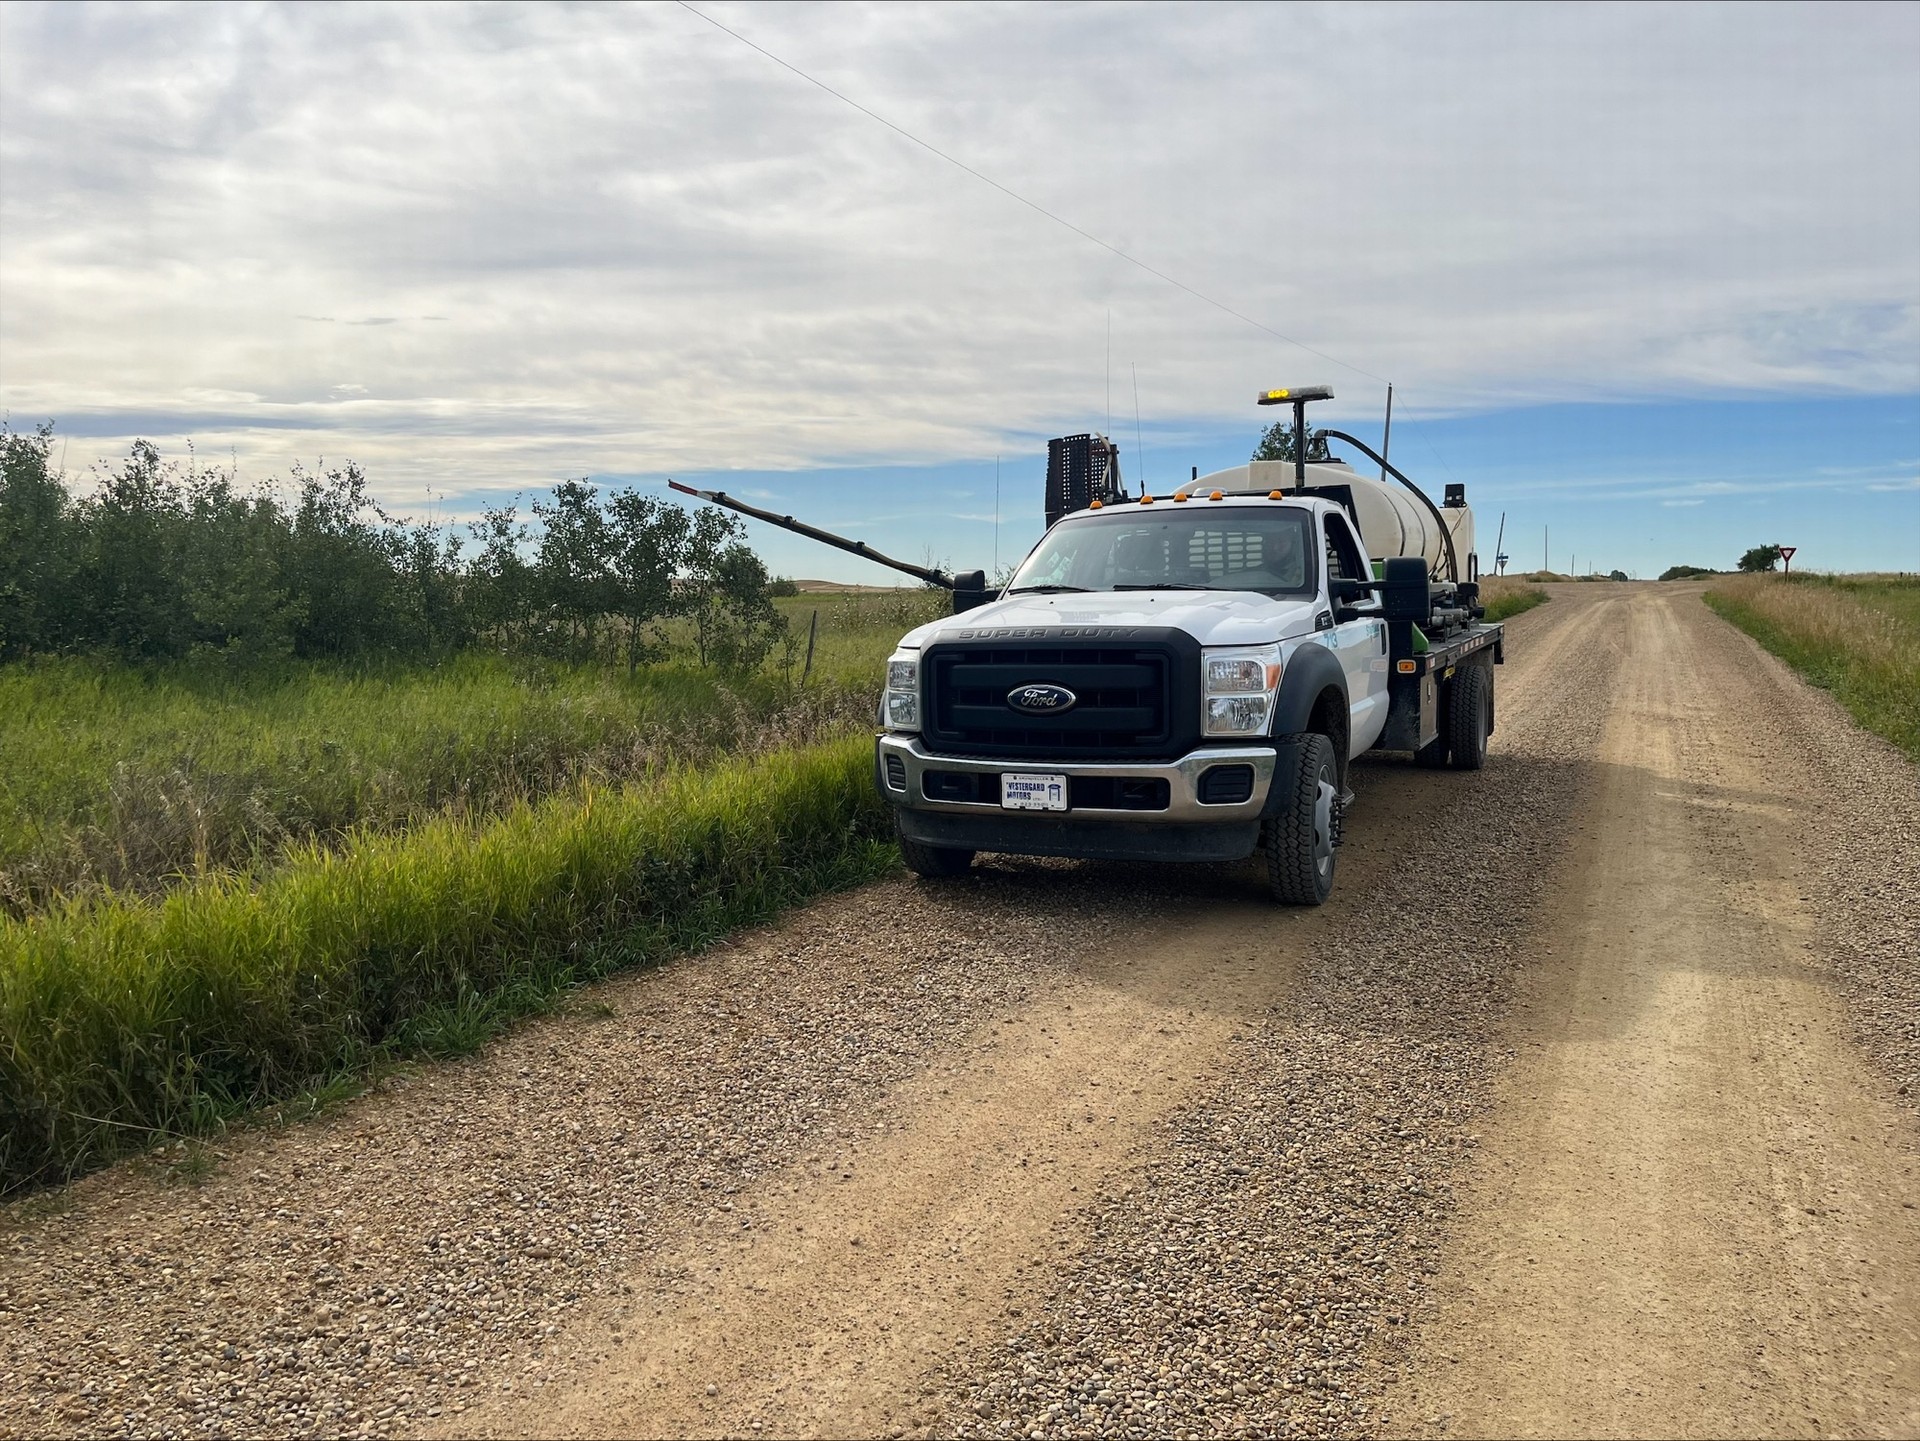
[(424, 1244), (1866, 864), (1256, 1279)]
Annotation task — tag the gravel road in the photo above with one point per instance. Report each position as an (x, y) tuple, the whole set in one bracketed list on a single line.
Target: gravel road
[(1587, 1104)]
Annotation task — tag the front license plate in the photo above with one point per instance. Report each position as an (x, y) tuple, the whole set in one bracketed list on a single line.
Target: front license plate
[(1033, 793)]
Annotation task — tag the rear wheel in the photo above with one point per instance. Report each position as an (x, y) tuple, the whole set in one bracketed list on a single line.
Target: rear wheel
[(1300, 837), (1470, 717), (934, 862)]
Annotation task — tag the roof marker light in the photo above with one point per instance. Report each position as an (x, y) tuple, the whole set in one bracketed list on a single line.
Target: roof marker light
[(1146, 500), (1179, 495), (1274, 494), (1218, 495), (1094, 506)]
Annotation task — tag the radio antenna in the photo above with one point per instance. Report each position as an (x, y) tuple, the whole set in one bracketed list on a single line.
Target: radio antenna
[(1386, 435), (1139, 450)]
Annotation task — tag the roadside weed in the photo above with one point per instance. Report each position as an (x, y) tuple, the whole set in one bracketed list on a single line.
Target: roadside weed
[(123, 1019), (1857, 636)]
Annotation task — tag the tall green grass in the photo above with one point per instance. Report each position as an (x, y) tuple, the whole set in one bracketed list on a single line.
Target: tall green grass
[(1857, 636), (125, 1019), (132, 777)]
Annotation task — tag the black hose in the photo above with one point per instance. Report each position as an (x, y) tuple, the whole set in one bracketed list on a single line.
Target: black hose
[(1446, 534)]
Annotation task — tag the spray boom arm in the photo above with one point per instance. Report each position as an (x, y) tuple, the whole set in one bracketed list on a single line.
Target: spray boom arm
[(969, 587)]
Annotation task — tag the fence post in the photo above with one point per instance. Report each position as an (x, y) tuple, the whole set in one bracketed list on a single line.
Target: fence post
[(812, 626)]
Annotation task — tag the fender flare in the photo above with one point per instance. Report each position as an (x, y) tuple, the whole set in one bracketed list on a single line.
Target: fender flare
[(1311, 670)]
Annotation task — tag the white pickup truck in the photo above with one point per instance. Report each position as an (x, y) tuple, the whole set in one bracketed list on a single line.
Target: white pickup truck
[(1183, 677)]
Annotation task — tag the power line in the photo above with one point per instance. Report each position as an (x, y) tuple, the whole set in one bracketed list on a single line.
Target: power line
[(1030, 204)]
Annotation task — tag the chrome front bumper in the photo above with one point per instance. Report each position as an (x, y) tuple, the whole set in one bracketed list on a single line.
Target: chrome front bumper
[(1184, 806)]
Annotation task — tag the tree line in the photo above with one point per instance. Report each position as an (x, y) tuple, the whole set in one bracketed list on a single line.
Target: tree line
[(165, 560)]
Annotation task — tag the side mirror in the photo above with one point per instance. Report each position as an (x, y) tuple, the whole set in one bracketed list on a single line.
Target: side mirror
[(1405, 590), (1346, 592)]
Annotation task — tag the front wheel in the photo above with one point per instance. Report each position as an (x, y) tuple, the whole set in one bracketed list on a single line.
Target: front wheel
[(934, 863), (1300, 836)]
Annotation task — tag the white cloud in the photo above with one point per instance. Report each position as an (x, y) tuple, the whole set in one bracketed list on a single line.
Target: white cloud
[(521, 243)]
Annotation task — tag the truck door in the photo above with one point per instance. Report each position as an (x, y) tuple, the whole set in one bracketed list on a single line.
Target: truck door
[(1358, 637)]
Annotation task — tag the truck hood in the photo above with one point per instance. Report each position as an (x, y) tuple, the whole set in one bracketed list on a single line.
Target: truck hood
[(1212, 617)]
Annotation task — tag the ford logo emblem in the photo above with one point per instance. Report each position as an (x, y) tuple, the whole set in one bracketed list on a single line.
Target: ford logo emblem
[(1042, 699)]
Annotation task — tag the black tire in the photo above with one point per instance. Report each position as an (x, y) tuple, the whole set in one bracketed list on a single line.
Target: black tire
[(1470, 717), (1300, 835), (934, 863)]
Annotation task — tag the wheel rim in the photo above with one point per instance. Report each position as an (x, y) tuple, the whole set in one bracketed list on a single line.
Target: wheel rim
[(1323, 826)]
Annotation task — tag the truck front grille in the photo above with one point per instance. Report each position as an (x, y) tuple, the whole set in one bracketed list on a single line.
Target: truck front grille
[(1130, 700)]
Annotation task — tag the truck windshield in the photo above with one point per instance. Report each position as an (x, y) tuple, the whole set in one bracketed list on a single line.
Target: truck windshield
[(1190, 548)]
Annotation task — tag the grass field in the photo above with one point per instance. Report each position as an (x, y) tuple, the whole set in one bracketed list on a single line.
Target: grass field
[(132, 778), (1506, 597), (1857, 636)]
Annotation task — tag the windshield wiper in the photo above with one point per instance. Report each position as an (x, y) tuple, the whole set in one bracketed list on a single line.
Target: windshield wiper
[(1047, 589), (1171, 585)]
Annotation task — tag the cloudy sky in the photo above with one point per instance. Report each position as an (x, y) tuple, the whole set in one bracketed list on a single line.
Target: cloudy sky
[(1648, 275)]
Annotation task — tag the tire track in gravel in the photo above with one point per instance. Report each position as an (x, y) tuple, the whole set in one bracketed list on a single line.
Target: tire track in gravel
[(853, 1283), (1695, 1214), (1258, 1272)]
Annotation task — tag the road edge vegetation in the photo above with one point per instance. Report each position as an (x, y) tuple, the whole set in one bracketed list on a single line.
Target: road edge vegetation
[(1505, 599), (1868, 659), (128, 1021)]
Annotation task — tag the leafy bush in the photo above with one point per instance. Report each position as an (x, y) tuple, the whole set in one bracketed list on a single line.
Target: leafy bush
[(1685, 572), (165, 561), (1277, 443)]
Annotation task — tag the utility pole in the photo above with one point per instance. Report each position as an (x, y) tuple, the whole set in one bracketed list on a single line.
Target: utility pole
[(1543, 549)]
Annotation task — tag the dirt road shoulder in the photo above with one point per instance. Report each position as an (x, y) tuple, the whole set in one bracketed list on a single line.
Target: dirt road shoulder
[(1693, 1212)]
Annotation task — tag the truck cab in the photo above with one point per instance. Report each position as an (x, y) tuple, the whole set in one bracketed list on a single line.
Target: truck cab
[(1183, 677)]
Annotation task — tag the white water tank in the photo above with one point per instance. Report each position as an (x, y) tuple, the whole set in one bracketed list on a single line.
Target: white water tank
[(1393, 522)]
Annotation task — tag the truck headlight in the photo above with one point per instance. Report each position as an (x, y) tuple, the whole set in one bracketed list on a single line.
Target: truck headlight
[(1238, 715), (900, 707), (1240, 686)]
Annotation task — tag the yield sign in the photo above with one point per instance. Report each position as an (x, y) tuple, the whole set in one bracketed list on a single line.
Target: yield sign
[(1786, 555)]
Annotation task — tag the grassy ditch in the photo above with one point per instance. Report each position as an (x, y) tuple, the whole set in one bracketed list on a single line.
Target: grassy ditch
[(1857, 636), (127, 1020), (135, 777), (1505, 598)]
